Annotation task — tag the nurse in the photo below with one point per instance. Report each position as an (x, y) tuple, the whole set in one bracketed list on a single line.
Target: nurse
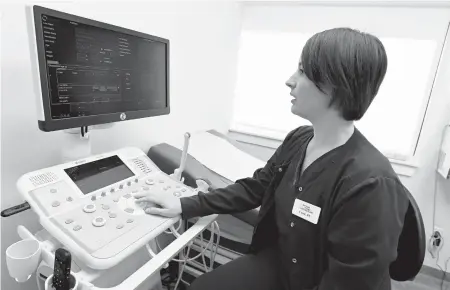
[(332, 207)]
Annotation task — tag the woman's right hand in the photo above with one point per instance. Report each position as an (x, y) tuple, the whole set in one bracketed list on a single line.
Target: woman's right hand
[(160, 203)]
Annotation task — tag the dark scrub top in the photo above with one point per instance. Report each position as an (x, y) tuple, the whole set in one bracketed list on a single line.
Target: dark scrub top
[(298, 239)]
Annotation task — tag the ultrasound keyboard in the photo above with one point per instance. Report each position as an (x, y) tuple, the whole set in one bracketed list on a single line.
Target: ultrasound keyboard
[(88, 205)]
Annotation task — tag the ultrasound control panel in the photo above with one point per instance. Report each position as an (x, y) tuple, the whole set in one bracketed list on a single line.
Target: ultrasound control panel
[(88, 205)]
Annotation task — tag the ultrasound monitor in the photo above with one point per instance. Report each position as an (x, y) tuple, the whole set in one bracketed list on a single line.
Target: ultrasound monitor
[(91, 73)]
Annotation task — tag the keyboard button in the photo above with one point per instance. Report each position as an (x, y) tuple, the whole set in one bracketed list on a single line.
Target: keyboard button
[(99, 222), (129, 210), (89, 208)]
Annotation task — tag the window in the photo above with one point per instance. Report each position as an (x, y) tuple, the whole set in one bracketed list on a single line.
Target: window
[(271, 43)]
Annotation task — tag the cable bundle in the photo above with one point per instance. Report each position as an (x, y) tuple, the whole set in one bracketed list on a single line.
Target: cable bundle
[(215, 229)]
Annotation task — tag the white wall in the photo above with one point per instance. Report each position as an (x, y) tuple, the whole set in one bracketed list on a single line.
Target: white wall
[(424, 182), (0, 147), (421, 184), (203, 39)]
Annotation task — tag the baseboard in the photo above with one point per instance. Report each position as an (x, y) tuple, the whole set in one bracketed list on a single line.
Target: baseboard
[(434, 273)]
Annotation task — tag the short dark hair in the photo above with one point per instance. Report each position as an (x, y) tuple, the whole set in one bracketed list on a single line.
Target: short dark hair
[(350, 63)]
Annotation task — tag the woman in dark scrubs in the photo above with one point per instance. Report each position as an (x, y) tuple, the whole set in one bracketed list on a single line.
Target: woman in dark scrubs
[(332, 207)]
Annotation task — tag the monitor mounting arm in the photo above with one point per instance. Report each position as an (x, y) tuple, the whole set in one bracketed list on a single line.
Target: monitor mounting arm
[(77, 144)]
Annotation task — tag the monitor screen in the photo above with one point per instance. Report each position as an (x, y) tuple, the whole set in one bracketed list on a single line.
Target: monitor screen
[(93, 72), (98, 174)]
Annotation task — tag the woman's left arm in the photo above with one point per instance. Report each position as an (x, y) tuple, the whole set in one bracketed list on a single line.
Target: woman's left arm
[(363, 235)]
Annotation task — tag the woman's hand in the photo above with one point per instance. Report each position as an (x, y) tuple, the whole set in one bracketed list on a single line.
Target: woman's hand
[(162, 204)]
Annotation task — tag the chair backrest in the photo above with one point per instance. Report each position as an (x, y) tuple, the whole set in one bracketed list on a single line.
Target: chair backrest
[(412, 245)]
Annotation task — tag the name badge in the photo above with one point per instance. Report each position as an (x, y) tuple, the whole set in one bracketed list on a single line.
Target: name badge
[(306, 211)]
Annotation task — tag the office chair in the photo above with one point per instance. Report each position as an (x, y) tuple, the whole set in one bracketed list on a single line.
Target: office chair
[(411, 246), (412, 242)]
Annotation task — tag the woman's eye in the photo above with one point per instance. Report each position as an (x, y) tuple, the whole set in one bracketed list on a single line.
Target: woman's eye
[(301, 71)]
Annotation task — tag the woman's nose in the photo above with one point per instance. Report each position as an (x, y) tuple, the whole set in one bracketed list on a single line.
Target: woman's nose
[(290, 83)]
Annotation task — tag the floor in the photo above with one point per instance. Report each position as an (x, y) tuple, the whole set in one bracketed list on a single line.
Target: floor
[(422, 282)]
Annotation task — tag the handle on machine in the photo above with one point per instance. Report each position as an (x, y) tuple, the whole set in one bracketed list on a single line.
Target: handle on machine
[(15, 209), (179, 171)]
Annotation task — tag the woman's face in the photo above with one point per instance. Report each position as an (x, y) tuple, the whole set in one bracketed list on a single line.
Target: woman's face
[(308, 101)]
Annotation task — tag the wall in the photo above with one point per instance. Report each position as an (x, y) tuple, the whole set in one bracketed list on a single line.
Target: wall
[(422, 183), (0, 146), (203, 39), (430, 189)]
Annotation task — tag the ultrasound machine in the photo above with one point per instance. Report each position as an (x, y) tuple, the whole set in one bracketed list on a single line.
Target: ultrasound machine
[(95, 236)]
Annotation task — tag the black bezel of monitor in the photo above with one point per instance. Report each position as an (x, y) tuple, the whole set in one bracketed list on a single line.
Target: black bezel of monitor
[(50, 124)]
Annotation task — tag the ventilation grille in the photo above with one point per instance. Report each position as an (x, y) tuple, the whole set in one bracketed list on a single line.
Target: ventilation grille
[(141, 165), (43, 178)]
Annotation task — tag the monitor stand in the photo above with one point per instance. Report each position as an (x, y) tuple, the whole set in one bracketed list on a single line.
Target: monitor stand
[(77, 144)]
